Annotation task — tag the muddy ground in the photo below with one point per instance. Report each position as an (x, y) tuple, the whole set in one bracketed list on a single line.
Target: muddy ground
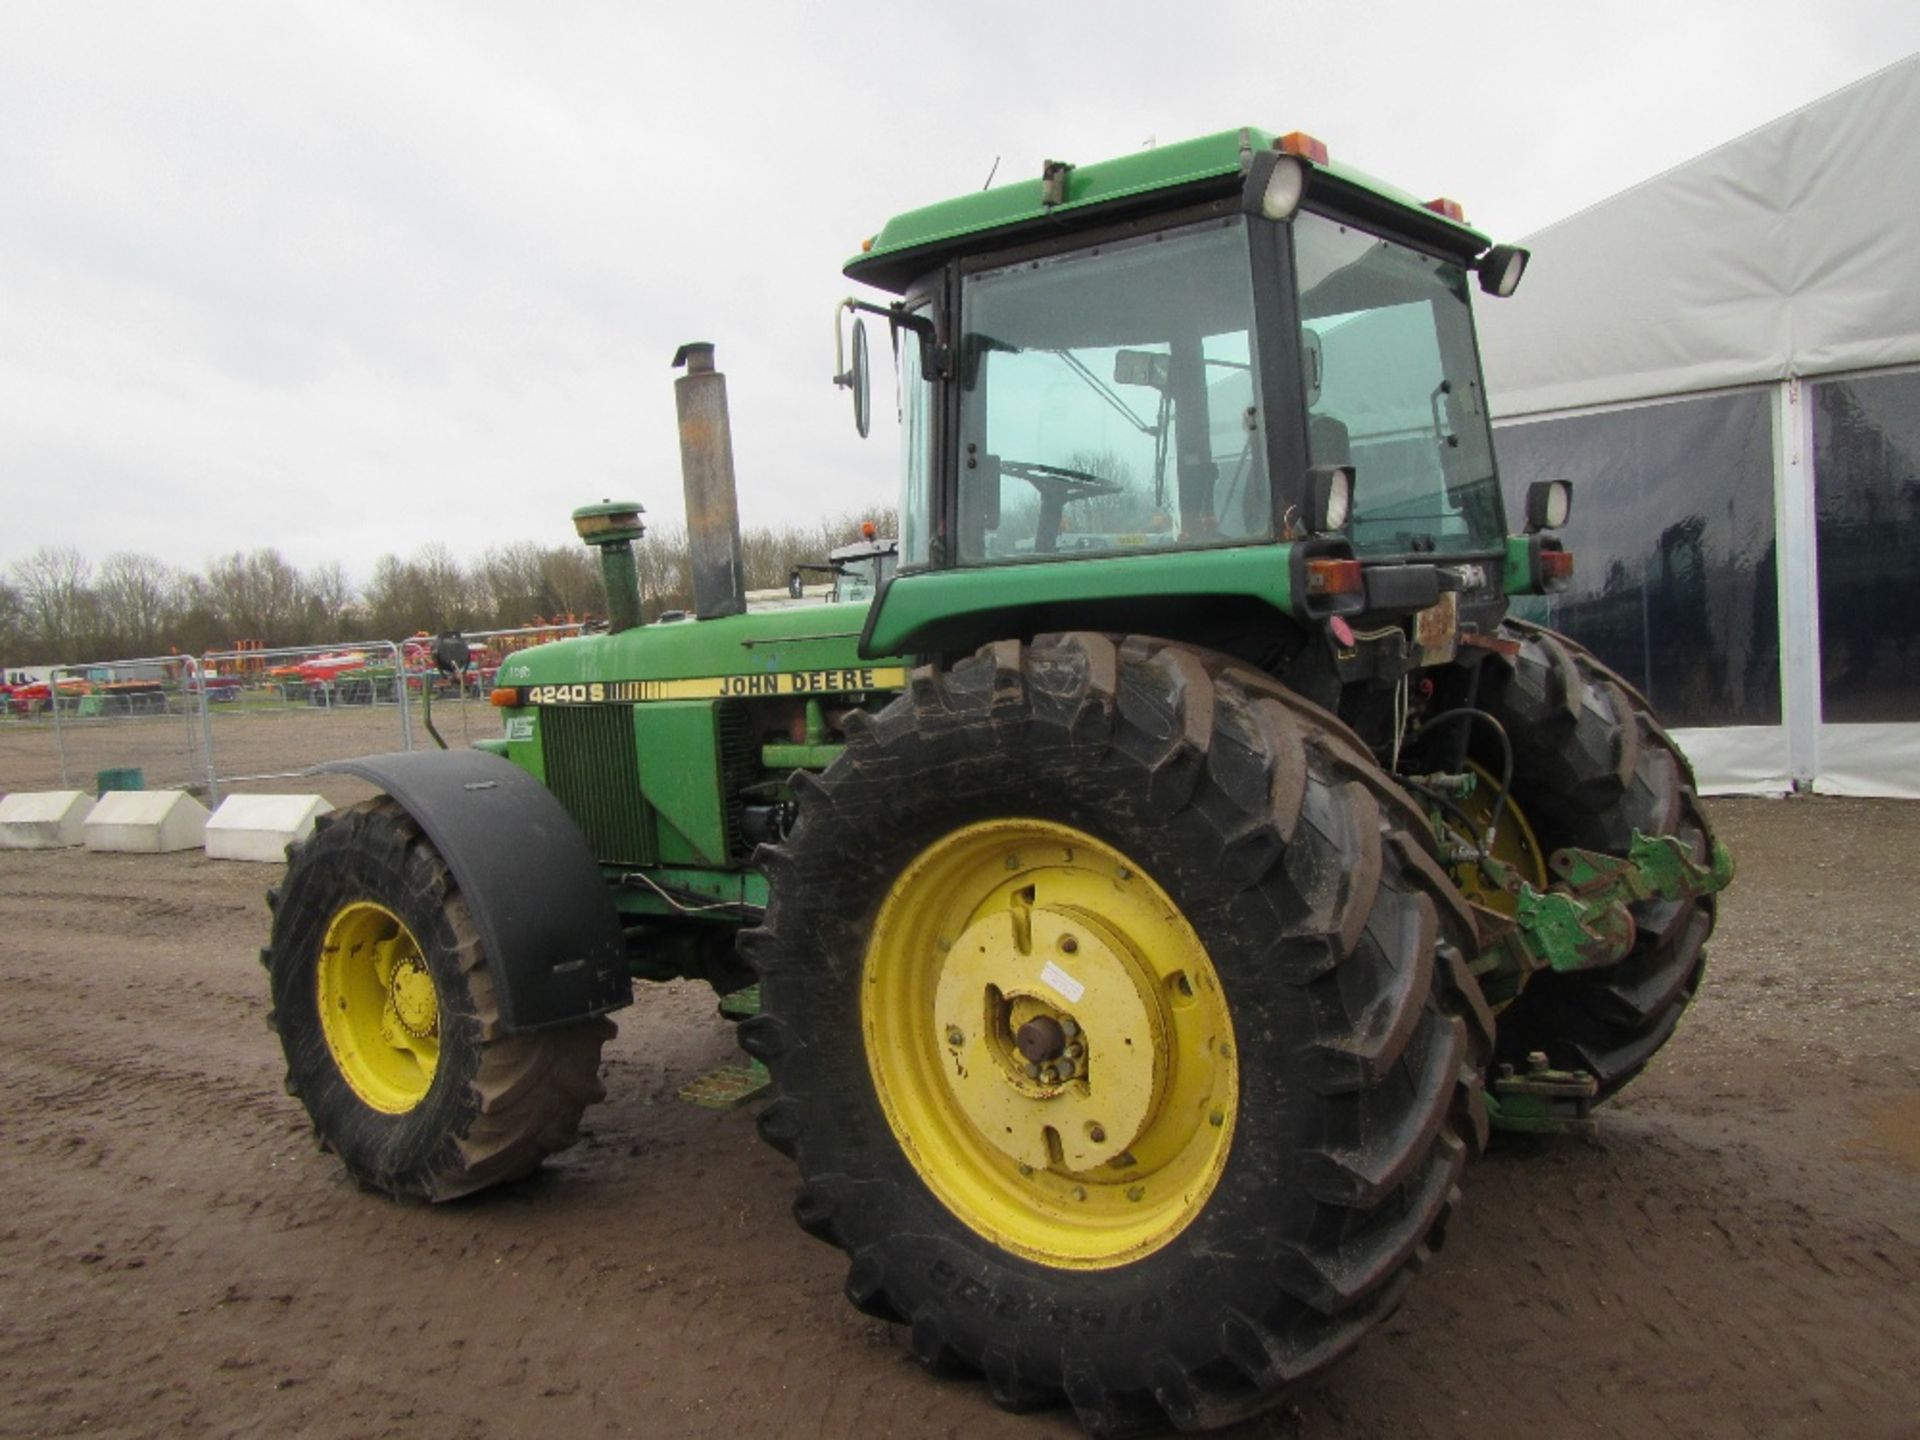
[(1739, 1255)]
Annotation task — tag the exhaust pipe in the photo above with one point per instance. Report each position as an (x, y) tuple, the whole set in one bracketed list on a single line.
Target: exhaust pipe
[(706, 468)]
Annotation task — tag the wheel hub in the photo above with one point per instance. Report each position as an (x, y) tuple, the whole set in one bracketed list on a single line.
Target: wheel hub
[(1050, 1042), (1041, 1039), (1006, 989), (411, 997), (379, 1010)]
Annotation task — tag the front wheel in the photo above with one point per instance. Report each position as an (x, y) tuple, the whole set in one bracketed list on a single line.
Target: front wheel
[(392, 1034), (1121, 1027)]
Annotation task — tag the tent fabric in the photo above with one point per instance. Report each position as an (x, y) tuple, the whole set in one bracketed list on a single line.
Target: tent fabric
[(1736, 759), (1788, 252), (1869, 760)]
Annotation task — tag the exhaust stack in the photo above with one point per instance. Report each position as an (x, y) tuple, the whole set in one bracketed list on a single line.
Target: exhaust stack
[(706, 468)]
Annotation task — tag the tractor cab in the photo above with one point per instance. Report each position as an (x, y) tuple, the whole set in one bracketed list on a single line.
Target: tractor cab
[(1182, 359), (856, 571)]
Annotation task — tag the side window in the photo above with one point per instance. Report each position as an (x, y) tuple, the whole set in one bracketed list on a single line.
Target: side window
[(916, 452)]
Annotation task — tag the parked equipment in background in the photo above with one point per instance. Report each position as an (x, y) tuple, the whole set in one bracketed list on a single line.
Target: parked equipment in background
[(1143, 907)]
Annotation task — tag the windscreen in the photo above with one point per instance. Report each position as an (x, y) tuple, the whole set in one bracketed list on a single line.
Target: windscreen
[(1394, 390), (1109, 400)]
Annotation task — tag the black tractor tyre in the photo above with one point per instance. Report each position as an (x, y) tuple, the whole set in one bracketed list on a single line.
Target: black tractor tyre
[(1591, 766), (1342, 952), (497, 1103)]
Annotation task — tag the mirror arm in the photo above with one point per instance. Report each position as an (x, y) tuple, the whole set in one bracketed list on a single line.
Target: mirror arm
[(934, 356)]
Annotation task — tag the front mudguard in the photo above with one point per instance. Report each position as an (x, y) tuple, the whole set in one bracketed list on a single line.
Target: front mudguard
[(551, 935)]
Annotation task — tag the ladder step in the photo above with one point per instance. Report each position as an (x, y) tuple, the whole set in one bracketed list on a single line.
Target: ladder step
[(728, 1087)]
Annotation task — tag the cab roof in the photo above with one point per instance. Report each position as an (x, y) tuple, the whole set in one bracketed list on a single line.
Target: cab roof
[(1192, 170)]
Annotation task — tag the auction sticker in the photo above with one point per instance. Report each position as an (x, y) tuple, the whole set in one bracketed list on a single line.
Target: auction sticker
[(1062, 983)]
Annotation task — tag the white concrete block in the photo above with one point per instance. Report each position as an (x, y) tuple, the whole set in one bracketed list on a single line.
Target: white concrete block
[(260, 827), (43, 819), (146, 821)]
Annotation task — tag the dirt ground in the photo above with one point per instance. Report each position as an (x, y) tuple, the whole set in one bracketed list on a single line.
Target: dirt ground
[(1738, 1255)]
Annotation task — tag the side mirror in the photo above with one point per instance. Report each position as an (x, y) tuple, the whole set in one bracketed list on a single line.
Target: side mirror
[(854, 377), (795, 589), (1143, 367)]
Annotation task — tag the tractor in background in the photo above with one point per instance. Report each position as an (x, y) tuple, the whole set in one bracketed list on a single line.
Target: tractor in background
[(1147, 904)]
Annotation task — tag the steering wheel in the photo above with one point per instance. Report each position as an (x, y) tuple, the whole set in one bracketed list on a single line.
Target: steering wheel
[(1059, 483)]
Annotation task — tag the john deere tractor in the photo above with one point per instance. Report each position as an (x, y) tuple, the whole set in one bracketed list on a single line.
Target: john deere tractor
[(1146, 905)]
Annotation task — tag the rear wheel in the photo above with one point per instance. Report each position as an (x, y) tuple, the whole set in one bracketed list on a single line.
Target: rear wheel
[(388, 1019), (1121, 1028), (1592, 766)]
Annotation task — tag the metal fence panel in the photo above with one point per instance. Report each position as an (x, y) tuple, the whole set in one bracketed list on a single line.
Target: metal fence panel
[(83, 722), (250, 718), (274, 714)]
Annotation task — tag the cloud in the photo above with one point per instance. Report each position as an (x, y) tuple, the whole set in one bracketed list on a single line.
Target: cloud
[(348, 278)]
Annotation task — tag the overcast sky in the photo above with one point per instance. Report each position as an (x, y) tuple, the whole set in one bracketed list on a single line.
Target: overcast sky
[(345, 278)]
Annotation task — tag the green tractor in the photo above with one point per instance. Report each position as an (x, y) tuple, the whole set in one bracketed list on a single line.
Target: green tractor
[(1146, 905)]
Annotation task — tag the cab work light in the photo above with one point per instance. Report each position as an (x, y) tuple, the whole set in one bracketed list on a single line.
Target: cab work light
[(1329, 498), (1549, 503), (1449, 208), (1500, 269), (1274, 185)]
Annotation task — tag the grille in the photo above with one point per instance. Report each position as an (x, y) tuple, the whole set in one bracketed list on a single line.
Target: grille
[(594, 771), (739, 767)]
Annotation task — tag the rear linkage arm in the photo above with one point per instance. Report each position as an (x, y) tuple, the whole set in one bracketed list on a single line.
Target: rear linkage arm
[(1580, 923), (1583, 921)]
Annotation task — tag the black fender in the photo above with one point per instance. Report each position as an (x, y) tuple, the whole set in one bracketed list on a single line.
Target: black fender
[(553, 939)]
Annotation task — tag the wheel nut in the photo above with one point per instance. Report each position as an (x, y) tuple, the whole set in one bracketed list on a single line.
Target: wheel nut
[(1068, 1070), (1076, 1050), (1136, 1192), (1049, 1075), (1068, 944), (1069, 1027), (1097, 1134), (1033, 1072)]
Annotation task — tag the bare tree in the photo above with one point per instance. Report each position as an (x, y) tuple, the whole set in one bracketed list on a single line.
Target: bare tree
[(327, 595), (255, 596), (136, 603), (55, 588), (14, 640)]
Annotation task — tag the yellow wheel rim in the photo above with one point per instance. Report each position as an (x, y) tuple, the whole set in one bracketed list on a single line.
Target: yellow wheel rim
[(378, 1007), (1050, 1043), (1514, 844)]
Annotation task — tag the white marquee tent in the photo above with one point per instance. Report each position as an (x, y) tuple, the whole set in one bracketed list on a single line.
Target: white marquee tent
[(1725, 360)]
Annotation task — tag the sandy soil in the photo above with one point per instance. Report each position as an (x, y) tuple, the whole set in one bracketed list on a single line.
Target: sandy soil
[(1738, 1255)]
